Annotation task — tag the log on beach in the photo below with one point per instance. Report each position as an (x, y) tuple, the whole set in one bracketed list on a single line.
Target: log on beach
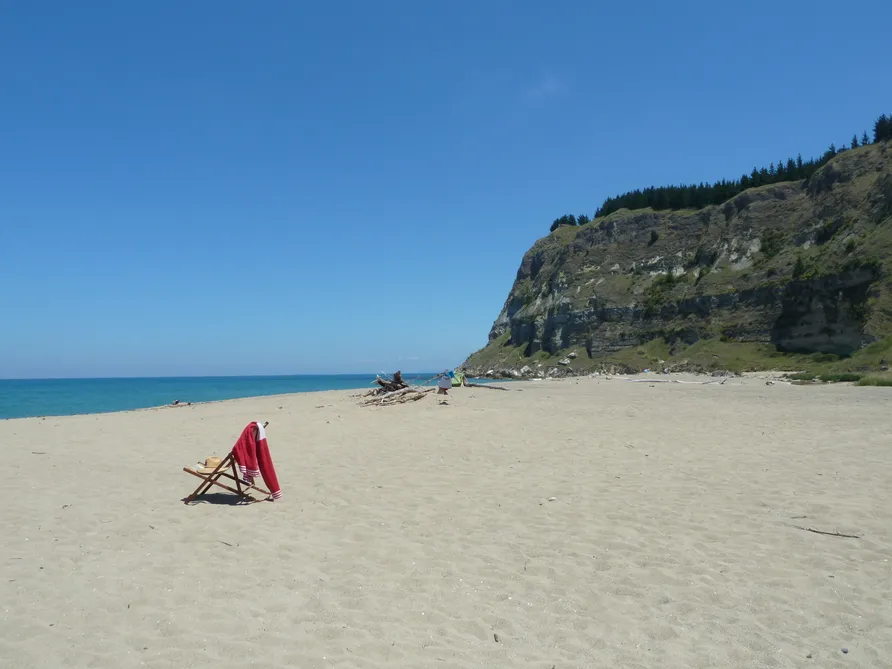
[(488, 386)]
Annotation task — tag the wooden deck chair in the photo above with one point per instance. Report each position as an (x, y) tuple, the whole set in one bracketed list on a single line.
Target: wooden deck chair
[(226, 469)]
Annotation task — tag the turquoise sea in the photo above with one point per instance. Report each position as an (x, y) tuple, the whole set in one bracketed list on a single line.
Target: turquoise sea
[(65, 397)]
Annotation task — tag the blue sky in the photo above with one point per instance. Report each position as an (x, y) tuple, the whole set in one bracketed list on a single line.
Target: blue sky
[(227, 187)]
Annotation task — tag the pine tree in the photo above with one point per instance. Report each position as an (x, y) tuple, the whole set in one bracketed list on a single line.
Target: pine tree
[(865, 140), (855, 141), (791, 169), (799, 163), (878, 129), (882, 129)]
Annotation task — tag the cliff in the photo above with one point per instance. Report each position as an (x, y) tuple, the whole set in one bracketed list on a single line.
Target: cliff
[(776, 273)]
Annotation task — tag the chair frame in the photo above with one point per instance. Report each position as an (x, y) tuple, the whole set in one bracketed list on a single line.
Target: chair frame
[(212, 479)]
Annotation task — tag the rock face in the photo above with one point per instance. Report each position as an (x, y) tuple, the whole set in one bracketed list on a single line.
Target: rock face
[(824, 315), (804, 266)]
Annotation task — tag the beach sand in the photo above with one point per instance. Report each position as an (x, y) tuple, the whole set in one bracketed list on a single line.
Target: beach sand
[(578, 523)]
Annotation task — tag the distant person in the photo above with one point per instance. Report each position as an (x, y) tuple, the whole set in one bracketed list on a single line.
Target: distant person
[(444, 384)]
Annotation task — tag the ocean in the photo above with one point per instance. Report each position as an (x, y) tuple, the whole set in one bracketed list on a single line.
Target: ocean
[(66, 397)]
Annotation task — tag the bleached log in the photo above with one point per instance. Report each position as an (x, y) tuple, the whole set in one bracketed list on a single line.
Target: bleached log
[(488, 386)]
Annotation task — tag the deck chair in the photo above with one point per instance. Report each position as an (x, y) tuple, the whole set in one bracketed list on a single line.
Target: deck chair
[(229, 470)]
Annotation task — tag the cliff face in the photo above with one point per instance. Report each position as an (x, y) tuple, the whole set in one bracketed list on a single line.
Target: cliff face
[(800, 266)]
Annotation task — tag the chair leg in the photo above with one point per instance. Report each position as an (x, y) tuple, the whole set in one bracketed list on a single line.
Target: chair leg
[(209, 480), (241, 484), (238, 481)]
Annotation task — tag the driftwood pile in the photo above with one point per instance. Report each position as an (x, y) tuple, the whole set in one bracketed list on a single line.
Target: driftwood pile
[(401, 396), (395, 390), (386, 385)]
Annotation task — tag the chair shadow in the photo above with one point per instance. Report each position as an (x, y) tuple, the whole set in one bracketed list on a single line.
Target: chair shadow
[(222, 499)]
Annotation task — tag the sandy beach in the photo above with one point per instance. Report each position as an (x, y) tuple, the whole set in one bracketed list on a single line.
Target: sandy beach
[(577, 523)]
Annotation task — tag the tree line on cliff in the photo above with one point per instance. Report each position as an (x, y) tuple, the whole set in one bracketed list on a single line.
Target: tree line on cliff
[(697, 196)]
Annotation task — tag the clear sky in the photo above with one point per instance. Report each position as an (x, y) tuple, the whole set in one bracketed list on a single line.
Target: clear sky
[(231, 187)]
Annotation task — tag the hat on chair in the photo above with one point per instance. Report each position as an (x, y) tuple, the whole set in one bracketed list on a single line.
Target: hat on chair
[(209, 465)]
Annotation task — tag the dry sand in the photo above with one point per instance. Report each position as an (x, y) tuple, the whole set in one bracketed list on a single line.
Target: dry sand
[(590, 523)]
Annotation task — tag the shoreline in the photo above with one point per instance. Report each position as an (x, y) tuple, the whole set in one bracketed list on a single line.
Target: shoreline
[(185, 404), (182, 405), (657, 377)]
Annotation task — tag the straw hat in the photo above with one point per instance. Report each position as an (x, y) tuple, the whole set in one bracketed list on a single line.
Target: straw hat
[(209, 465)]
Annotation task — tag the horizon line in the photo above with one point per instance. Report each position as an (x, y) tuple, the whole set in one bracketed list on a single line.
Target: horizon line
[(200, 376)]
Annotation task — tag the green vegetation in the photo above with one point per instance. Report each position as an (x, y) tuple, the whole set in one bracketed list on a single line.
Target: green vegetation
[(659, 293), (772, 243), (570, 219), (876, 381), (709, 355), (843, 377)]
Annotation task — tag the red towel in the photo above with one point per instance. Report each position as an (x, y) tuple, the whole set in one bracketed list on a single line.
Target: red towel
[(251, 453)]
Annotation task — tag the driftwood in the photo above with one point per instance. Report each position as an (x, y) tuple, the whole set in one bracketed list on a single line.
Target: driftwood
[(829, 534), (488, 386), (401, 396), (386, 385)]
